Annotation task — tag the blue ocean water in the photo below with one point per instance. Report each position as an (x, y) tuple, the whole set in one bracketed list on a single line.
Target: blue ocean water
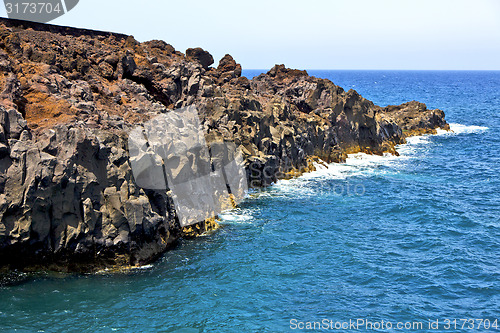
[(400, 239)]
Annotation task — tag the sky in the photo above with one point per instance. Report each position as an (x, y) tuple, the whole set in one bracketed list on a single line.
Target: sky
[(312, 34)]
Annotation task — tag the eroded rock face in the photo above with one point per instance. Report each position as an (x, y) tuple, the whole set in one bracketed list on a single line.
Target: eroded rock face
[(69, 98), (69, 193)]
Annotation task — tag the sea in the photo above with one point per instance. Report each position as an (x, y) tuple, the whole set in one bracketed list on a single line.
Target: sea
[(379, 243)]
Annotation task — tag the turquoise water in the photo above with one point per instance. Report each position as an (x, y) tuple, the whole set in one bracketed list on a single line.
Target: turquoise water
[(399, 239)]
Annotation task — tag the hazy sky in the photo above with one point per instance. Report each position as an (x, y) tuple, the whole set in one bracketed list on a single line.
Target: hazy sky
[(312, 34)]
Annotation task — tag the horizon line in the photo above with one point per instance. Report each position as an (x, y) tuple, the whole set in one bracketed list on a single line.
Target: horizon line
[(389, 69)]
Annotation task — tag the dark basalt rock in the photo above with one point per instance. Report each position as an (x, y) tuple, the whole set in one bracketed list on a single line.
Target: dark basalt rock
[(69, 98), (414, 117), (201, 56)]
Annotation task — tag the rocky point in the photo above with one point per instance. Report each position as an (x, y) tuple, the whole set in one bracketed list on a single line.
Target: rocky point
[(69, 97)]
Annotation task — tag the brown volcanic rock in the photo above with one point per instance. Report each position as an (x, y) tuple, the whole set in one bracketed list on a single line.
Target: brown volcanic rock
[(201, 56), (281, 73), (228, 65), (69, 97), (228, 69), (414, 118)]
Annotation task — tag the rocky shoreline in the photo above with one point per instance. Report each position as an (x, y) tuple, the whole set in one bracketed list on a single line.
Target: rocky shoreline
[(69, 97)]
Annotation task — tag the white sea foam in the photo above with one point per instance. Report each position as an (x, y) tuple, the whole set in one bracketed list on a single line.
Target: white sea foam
[(331, 171), (460, 129), (124, 269), (236, 215), (418, 140), (441, 131), (414, 143), (360, 165), (294, 187), (320, 166), (356, 164), (142, 267), (362, 159)]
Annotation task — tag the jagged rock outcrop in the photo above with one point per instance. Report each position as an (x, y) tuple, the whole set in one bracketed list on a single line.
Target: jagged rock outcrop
[(228, 68), (414, 118), (199, 55), (69, 97)]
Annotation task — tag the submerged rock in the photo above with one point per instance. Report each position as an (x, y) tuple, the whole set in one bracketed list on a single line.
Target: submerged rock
[(69, 97)]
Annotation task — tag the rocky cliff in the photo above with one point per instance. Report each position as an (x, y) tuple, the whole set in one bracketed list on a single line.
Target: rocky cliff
[(69, 97)]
